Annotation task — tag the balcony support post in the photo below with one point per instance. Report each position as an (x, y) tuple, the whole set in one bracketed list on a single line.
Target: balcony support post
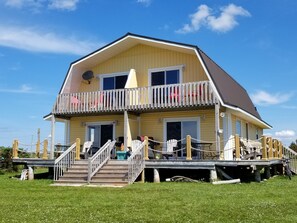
[(217, 128), (126, 122), (53, 129)]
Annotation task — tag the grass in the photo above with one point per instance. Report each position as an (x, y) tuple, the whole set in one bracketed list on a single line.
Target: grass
[(36, 201)]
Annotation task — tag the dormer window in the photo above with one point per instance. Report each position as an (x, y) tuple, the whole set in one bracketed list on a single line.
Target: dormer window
[(165, 76), (113, 81)]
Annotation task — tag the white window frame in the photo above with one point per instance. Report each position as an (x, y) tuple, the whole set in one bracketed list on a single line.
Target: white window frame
[(88, 124), (152, 70), (102, 76), (165, 120)]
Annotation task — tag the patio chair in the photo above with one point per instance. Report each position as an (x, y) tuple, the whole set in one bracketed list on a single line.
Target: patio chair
[(171, 144), (135, 144), (75, 102), (85, 150)]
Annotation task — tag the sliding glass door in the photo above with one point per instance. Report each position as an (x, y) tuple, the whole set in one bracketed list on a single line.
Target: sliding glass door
[(179, 129)]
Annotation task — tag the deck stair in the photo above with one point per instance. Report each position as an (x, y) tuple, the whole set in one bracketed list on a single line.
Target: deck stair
[(77, 174), (114, 173)]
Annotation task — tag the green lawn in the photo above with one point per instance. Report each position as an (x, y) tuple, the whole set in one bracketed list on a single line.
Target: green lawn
[(36, 201)]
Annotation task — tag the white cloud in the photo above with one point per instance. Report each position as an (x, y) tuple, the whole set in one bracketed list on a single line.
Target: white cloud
[(30, 39), (63, 4), (22, 3), (35, 5), (226, 21), (285, 134), (264, 98), (145, 2), (197, 20), (23, 89)]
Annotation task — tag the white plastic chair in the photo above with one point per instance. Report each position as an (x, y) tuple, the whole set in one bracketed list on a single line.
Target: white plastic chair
[(135, 144), (86, 147)]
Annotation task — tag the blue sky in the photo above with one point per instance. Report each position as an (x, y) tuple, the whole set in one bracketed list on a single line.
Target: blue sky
[(254, 41)]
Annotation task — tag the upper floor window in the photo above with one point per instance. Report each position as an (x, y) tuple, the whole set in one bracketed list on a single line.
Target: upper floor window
[(113, 81), (165, 76)]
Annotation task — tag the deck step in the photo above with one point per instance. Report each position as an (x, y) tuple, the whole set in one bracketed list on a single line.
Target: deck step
[(113, 173)]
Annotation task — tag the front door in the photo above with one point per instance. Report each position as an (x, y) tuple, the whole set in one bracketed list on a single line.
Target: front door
[(100, 134)]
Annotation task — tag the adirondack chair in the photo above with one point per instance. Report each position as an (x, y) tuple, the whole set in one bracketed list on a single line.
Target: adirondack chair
[(170, 145)]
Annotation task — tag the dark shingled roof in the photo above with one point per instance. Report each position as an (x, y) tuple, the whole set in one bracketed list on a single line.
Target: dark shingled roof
[(231, 92)]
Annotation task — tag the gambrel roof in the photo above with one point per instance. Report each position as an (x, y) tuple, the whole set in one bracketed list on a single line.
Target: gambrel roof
[(230, 93)]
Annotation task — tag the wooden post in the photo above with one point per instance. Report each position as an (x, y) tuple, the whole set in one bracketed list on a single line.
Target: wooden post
[(275, 147), (270, 151), (237, 147), (189, 148), (280, 150), (45, 145), (264, 148), (37, 154), (146, 148), (77, 152), (15, 148), (143, 176)]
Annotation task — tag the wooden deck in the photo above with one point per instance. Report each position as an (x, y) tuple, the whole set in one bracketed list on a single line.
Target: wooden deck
[(167, 164), (34, 162), (207, 164)]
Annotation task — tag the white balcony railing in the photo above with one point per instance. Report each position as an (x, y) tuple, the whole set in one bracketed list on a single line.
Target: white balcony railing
[(153, 97)]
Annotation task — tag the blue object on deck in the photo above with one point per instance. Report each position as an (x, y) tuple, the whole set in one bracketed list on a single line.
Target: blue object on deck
[(121, 155)]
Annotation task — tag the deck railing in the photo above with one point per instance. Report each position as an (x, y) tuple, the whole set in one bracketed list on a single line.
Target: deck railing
[(99, 159), (292, 156), (152, 97), (64, 161), (136, 163)]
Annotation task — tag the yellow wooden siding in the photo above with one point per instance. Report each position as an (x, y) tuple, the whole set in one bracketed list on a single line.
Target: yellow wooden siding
[(252, 128), (78, 125), (152, 123), (142, 58)]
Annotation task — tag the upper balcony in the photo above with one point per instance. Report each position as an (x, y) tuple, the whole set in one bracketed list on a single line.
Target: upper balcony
[(136, 99)]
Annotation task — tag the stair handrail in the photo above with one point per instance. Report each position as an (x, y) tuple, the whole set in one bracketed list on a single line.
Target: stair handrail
[(64, 161), (99, 159), (292, 156), (136, 163)]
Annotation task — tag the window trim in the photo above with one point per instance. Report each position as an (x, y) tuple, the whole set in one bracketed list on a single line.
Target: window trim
[(152, 70), (165, 120), (89, 124), (102, 76)]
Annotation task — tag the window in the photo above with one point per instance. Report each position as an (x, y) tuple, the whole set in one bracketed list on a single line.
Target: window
[(113, 81), (238, 128), (257, 133), (179, 129), (247, 130), (165, 76)]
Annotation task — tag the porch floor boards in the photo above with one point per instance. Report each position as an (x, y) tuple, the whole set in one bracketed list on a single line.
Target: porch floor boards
[(163, 163)]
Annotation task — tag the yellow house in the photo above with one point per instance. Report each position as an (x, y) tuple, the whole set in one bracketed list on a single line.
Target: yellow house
[(142, 86)]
